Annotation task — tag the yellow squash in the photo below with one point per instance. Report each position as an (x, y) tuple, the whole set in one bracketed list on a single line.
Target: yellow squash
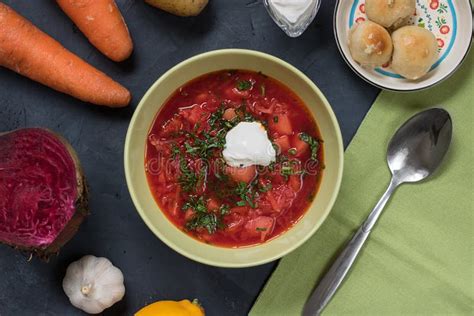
[(172, 308)]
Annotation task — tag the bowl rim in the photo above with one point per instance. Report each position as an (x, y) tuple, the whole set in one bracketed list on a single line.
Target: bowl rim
[(173, 245), (383, 87)]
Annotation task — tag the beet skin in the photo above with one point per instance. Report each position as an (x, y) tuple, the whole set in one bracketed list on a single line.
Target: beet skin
[(43, 196)]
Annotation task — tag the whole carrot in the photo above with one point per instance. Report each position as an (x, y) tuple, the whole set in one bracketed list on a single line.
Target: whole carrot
[(103, 24), (30, 52)]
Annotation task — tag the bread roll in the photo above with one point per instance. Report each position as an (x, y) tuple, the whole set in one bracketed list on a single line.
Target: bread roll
[(370, 44), (415, 50), (390, 13)]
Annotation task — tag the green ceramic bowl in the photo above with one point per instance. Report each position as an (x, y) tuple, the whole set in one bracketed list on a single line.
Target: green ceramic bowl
[(135, 157)]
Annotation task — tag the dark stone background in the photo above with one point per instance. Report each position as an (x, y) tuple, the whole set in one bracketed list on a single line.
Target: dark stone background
[(114, 230)]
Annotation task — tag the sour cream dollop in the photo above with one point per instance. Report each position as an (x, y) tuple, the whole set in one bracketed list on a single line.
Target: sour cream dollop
[(247, 144)]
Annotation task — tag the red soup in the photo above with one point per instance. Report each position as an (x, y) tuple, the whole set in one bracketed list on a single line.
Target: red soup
[(225, 205)]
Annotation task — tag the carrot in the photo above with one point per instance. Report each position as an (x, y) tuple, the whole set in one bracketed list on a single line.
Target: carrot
[(30, 52), (229, 114), (102, 24)]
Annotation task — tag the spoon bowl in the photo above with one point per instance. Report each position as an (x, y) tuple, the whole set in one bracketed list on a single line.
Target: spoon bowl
[(418, 147)]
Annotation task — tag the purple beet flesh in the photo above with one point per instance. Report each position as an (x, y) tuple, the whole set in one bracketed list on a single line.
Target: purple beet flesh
[(42, 191)]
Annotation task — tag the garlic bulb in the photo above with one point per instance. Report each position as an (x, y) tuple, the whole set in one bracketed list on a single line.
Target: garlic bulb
[(93, 284)]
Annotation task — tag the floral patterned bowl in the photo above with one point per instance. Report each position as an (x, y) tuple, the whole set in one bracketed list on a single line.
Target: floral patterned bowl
[(449, 20)]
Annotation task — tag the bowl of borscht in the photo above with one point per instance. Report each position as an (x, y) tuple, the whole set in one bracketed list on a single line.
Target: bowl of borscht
[(233, 158)]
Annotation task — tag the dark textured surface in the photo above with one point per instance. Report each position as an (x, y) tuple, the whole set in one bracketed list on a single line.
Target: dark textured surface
[(114, 230)]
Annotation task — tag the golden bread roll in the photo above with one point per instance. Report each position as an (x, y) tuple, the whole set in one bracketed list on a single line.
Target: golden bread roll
[(370, 44), (390, 13), (415, 50)]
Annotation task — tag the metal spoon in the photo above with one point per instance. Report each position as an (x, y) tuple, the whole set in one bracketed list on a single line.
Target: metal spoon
[(414, 153)]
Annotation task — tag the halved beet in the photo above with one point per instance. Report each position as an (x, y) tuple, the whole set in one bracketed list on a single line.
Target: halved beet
[(43, 195)]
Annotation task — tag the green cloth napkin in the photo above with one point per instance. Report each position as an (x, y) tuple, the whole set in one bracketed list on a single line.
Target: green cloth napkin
[(419, 260)]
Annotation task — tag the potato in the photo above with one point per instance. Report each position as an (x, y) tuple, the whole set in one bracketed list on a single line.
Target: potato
[(180, 7)]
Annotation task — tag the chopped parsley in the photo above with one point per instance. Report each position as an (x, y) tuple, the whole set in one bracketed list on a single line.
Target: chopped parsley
[(197, 204), (261, 229), (286, 171), (188, 179), (246, 193), (289, 168), (204, 218), (216, 117), (275, 119), (244, 85), (271, 166), (313, 144), (201, 147), (175, 151), (292, 151), (224, 209), (209, 221)]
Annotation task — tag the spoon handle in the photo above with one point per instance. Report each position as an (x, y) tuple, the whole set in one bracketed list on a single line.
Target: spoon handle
[(339, 269)]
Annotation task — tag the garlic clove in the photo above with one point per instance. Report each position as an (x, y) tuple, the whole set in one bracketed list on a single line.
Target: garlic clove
[(93, 284)]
